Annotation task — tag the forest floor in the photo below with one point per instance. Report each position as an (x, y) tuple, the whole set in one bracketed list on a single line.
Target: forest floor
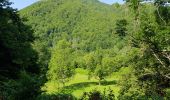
[(80, 83)]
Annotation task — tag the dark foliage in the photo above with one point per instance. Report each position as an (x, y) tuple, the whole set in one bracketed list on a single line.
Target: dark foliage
[(16, 52), (18, 60), (57, 96), (97, 95)]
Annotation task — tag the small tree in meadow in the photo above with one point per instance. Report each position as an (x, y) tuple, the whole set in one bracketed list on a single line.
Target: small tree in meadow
[(100, 73), (60, 68)]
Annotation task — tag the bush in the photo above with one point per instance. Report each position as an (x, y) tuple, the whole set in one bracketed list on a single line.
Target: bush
[(98, 95), (58, 96), (25, 88)]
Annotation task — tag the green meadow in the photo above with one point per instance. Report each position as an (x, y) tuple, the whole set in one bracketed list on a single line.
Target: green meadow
[(80, 83)]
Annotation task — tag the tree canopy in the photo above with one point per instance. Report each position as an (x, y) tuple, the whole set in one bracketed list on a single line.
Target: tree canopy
[(58, 40)]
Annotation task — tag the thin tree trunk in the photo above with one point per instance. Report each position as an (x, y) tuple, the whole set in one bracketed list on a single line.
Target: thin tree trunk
[(160, 15), (99, 82), (156, 56), (63, 83)]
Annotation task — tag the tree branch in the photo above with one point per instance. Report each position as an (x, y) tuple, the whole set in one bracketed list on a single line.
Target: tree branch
[(167, 76), (156, 56), (160, 15)]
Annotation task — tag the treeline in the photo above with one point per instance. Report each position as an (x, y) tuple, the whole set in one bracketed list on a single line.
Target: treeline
[(62, 35)]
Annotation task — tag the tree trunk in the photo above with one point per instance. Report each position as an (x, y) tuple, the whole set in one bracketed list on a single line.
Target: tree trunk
[(63, 82), (99, 82)]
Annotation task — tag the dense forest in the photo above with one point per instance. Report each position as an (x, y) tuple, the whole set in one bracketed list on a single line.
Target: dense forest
[(85, 50)]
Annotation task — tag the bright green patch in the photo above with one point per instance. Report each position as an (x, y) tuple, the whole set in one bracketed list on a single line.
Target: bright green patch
[(80, 83)]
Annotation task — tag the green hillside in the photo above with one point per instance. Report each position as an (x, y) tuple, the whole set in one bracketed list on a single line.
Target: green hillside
[(87, 24), (86, 50), (84, 27)]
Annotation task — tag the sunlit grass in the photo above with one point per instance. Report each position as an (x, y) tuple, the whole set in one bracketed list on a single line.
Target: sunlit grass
[(80, 83)]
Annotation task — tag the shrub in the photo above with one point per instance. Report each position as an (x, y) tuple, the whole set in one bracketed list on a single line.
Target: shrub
[(25, 88), (98, 95), (58, 96)]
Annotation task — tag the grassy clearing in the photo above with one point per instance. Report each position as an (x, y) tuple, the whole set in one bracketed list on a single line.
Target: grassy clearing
[(80, 83)]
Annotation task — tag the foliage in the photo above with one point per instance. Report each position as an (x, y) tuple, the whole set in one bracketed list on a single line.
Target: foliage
[(101, 73), (60, 67), (59, 96), (16, 52), (97, 95), (83, 34), (18, 59), (121, 27), (26, 87), (151, 67)]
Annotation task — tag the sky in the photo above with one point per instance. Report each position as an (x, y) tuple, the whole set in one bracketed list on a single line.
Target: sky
[(111, 1), (20, 4)]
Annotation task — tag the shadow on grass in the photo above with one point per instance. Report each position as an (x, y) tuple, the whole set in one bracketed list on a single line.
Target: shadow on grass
[(78, 86), (113, 82), (57, 96)]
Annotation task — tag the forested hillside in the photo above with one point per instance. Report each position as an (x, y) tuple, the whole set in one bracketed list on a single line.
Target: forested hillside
[(87, 25), (87, 50)]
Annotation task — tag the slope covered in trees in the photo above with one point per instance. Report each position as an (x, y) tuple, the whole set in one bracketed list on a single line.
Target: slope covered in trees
[(79, 34), (77, 46), (103, 38), (83, 28)]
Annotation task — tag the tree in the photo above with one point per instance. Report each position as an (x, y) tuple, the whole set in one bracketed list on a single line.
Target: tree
[(135, 5), (157, 50), (121, 27), (16, 56), (110, 64), (152, 66), (90, 64), (101, 72), (60, 68), (15, 42)]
